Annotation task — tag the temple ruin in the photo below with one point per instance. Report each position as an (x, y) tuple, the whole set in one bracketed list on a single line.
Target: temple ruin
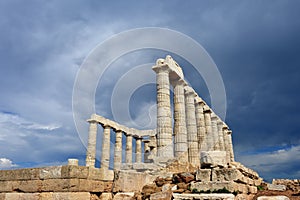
[(184, 160), (199, 136)]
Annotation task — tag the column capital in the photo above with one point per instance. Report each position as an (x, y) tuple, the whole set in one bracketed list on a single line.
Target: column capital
[(229, 132), (188, 90), (206, 109), (220, 122), (161, 67), (199, 100), (105, 125), (214, 116), (178, 81), (92, 121)]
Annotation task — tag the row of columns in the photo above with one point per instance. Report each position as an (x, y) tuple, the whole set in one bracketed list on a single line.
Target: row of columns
[(196, 127), (105, 152)]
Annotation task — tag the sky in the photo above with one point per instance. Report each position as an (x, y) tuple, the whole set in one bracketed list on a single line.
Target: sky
[(43, 45)]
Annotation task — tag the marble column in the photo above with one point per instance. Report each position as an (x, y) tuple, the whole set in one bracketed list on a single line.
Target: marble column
[(180, 130), (138, 150), (193, 153), (118, 150), (105, 154), (128, 152), (146, 151), (226, 143), (201, 136), (91, 149), (215, 133), (230, 146), (207, 119), (164, 117), (220, 133)]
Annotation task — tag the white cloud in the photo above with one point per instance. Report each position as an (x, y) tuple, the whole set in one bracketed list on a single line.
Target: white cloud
[(274, 162), (6, 163)]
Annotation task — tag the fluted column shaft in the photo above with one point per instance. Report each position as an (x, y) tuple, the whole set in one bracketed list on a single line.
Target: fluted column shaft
[(226, 144), (105, 154), (138, 150), (118, 150), (208, 129), (128, 153), (91, 150), (193, 153), (215, 133), (221, 136), (180, 130), (164, 117), (230, 146), (201, 135)]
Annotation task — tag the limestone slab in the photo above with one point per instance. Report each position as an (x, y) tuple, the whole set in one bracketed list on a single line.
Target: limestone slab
[(177, 196)]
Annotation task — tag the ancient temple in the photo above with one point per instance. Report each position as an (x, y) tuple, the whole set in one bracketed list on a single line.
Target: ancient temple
[(199, 136)]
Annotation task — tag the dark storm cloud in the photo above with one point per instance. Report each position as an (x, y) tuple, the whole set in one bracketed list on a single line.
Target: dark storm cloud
[(255, 45)]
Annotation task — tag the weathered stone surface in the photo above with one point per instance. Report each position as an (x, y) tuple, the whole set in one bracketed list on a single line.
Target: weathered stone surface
[(182, 186), (293, 185), (101, 174), (46, 195), (50, 172), (177, 196), (166, 187), (129, 181), (227, 174), (124, 196), (272, 198), (276, 187), (74, 171), (161, 196), (20, 174), (213, 158), (203, 175), (150, 189), (186, 177)]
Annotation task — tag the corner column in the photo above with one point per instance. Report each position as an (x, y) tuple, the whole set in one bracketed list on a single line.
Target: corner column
[(180, 130), (105, 154), (164, 117), (118, 150), (193, 153), (226, 143), (91, 150)]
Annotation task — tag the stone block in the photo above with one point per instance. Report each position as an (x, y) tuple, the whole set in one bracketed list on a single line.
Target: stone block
[(186, 177), (19, 174), (71, 195), (203, 175), (276, 187), (6, 186), (131, 181), (161, 196), (214, 158), (272, 198), (212, 185), (124, 196), (177, 196), (100, 174), (50, 172), (252, 189), (106, 196), (227, 174), (22, 196), (71, 171)]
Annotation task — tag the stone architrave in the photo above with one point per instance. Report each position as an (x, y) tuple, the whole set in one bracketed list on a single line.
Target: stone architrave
[(193, 152), (105, 154), (209, 137), (164, 117), (180, 131), (215, 133), (91, 150), (118, 150), (138, 150), (128, 152), (201, 135), (220, 133)]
